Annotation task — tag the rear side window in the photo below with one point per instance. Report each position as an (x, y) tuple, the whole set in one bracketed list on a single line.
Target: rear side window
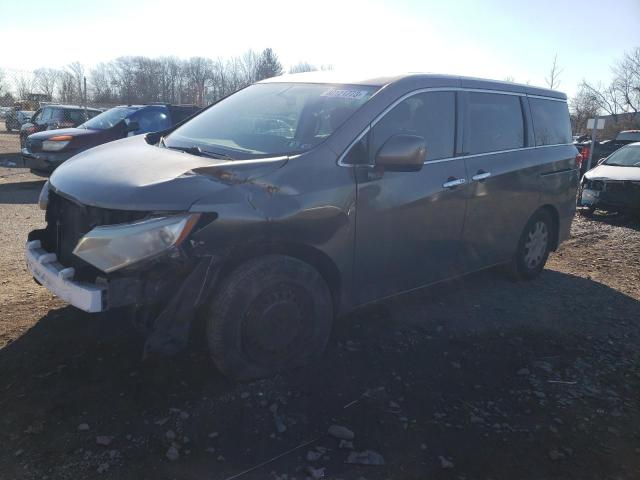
[(494, 123), (550, 121), (430, 115)]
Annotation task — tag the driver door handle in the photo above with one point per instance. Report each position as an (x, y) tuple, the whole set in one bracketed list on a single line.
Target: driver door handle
[(453, 182)]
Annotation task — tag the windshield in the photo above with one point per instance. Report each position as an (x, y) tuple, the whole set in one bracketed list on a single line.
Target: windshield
[(109, 118), (625, 157), (271, 119)]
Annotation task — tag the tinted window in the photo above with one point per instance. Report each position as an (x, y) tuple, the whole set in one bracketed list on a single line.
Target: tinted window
[(46, 115), (494, 123), (151, 120), (359, 152), (429, 115), (550, 121)]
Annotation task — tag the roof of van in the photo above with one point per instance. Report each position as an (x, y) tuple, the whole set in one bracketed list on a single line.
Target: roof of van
[(335, 77)]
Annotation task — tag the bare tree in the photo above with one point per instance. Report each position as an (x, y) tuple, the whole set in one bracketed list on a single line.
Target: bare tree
[(553, 80), (606, 97), (46, 79), (509, 78), (583, 106), (301, 67), (627, 80), (23, 85)]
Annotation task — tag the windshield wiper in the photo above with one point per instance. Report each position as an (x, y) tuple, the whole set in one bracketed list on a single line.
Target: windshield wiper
[(195, 150)]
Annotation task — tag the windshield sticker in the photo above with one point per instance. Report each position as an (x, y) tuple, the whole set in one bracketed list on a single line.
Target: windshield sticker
[(354, 94)]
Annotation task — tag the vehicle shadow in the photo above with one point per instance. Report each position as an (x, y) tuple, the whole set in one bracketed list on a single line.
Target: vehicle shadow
[(616, 219), (391, 371), (20, 192), (11, 160)]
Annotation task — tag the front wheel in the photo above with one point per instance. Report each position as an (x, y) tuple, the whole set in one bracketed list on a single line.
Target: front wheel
[(270, 314), (534, 246)]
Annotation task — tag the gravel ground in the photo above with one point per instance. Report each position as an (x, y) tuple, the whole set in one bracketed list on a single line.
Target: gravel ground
[(478, 378)]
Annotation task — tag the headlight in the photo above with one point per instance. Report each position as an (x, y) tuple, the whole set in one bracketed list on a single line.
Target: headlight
[(43, 198), (113, 247), (56, 143)]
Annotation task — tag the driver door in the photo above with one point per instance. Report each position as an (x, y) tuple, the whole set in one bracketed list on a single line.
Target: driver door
[(409, 224)]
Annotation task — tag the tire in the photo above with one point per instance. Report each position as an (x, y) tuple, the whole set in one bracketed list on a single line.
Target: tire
[(271, 314), (7, 127), (533, 247)]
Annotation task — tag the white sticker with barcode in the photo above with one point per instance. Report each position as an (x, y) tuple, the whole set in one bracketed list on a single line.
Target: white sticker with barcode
[(345, 93)]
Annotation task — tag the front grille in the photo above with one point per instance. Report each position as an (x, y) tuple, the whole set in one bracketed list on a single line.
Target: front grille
[(68, 221)]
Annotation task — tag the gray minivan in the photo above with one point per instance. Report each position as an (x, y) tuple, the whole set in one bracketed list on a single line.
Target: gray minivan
[(301, 197)]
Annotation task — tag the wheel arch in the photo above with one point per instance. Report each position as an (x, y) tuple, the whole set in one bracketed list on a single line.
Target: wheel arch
[(319, 260)]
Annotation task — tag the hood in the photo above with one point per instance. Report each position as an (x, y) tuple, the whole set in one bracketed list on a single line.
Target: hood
[(75, 132), (130, 174), (611, 172)]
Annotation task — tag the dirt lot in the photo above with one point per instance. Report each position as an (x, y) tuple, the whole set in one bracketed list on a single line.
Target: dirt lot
[(478, 378)]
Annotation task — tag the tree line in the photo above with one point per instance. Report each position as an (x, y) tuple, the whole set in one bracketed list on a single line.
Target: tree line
[(619, 98), (140, 79)]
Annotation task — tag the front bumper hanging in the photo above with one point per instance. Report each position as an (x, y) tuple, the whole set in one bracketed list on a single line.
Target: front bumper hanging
[(47, 271)]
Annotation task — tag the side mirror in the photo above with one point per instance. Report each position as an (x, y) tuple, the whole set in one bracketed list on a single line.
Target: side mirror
[(402, 153), (132, 127)]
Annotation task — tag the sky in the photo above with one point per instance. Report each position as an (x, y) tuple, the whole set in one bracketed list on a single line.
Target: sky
[(490, 38)]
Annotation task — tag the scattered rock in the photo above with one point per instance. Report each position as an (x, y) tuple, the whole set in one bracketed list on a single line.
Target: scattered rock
[(18, 453), (423, 446), (162, 421), (173, 454), (83, 427), (170, 435), (220, 458), (210, 450), (103, 467), (340, 432), (183, 415), (104, 440), (280, 426), (556, 455), (445, 462), (475, 419), (394, 405), (244, 395), (316, 472), (213, 435), (367, 457), (346, 444), (314, 455), (523, 371)]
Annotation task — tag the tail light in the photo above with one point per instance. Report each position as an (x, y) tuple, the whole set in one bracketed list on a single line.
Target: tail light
[(585, 152)]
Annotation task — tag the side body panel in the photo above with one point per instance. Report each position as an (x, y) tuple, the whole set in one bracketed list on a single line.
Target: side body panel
[(408, 228)]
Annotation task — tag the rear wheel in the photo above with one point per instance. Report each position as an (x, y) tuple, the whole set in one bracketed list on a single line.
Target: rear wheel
[(534, 246), (271, 314)]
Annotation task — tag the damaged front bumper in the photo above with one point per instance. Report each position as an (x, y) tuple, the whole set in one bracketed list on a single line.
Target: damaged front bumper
[(169, 289), (58, 279), (610, 195)]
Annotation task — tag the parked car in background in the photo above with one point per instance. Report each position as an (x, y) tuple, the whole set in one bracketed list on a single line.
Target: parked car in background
[(302, 197), (51, 117), (44, 151), (614, 185), (15, 119), (4, 111), (605, 148)]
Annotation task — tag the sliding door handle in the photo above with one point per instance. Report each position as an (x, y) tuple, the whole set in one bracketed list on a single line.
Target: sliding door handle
[(453, 182), (480, 176)]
